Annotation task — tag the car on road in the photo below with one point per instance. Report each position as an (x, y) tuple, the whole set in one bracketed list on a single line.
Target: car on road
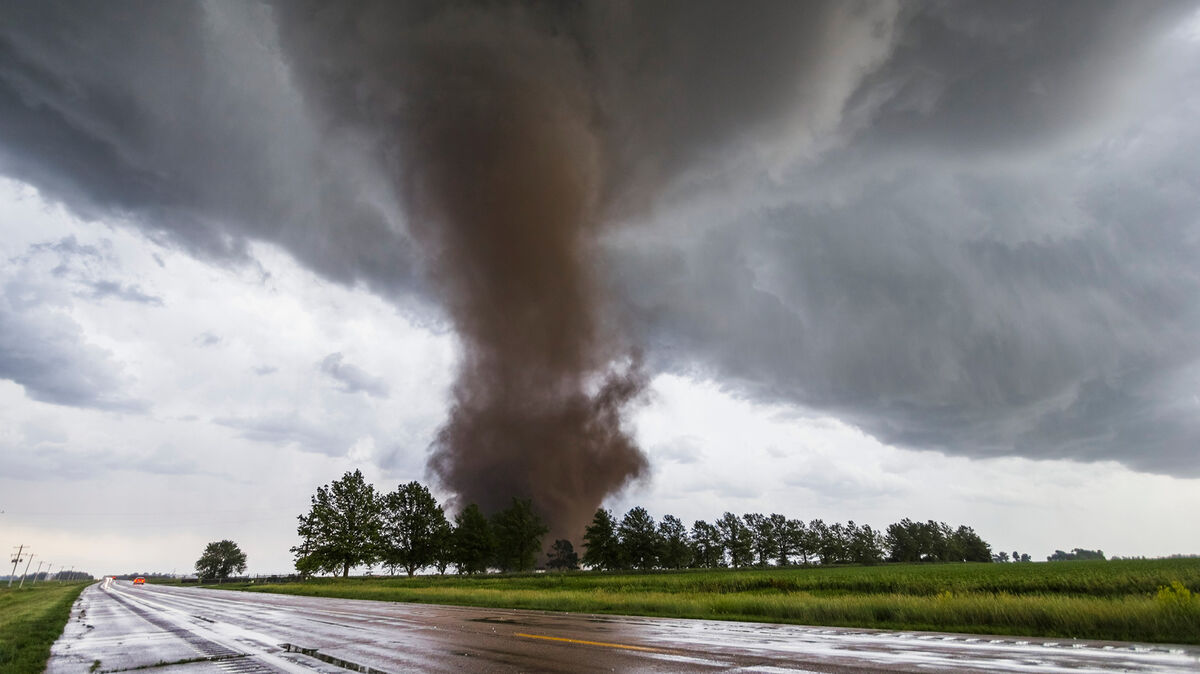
[(139, 581)]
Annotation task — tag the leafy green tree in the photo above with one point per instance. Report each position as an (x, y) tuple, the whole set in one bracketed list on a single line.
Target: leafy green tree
[(675, 552), (342, 527), (603, 549), (472, 542), (443, 545), (783, 543), (562, 556), (865, 545), (518, 531), (221, 559), (413, 529), (764, 535), (708, 552), (639, 539), (737, 540), (972, 547), (793, 541)]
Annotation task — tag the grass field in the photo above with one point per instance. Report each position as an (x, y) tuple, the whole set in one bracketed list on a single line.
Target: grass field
[(30, 620), (1120, 600)]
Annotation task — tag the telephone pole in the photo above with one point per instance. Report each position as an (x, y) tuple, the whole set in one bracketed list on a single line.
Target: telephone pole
[(28, 561), (38, 572), (15, 560)]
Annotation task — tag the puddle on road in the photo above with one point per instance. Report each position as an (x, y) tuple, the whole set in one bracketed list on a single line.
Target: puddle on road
[(502, 621)]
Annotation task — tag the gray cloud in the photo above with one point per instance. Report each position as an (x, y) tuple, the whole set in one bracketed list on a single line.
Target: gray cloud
[(264, 370), (44, 462), (128, 293), (968, 226), (46, 352), (206, 339), (352, 378), (288, 429)]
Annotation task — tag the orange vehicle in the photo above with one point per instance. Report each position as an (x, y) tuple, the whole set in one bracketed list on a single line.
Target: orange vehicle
[(139, 581)]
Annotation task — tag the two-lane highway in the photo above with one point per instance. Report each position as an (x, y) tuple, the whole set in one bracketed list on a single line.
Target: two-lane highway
[(118, 627)]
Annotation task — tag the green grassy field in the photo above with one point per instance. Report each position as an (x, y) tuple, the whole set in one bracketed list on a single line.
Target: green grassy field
[(30, 620), (1120, 600)]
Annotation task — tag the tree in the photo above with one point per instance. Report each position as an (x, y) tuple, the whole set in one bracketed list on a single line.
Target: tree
[(473, 544), (674, 552), (563, 556), (414, 528), (220, 560), (342, 527), (794, 541), (969, 547), (866, 545), (737, 539), (1001, 557), (707, 550), (443, 544), (600, 538), (518, 531), (764, 535), (639, 539)]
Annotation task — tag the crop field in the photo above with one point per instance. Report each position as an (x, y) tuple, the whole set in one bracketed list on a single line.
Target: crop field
[(1134, 600), (30, 620)]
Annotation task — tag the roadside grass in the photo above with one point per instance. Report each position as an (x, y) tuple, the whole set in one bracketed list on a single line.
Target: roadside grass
[(31, 619), (1127, 600)]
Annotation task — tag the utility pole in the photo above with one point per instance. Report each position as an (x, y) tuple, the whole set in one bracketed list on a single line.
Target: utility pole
[(24, 573), (16, 560), (37, 573)]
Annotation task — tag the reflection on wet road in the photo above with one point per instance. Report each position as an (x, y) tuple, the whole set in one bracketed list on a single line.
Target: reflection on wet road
[(116, 627)]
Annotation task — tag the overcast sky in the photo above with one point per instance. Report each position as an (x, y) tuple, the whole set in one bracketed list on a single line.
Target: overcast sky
[(880, 261)]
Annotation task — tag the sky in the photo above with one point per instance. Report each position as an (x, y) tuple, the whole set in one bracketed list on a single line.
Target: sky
[(842, 261)]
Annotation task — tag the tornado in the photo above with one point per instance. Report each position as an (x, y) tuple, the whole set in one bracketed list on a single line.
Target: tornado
[(503, 185), (517, 135)]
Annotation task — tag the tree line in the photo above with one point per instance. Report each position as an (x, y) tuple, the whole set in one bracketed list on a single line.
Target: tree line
[(350, 523)]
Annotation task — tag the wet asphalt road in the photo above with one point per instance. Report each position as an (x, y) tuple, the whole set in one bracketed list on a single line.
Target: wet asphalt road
[(193, 630)]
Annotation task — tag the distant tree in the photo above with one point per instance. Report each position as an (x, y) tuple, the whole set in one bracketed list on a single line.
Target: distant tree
[(1000, 557), (1024, 557), (342, 527), (764, 538), (1016, 557), (969, 547), (902, 541), (793, 541), (472, 543), (865, 545), (708, 551), (413, 528), (221, 559), (639, 539), (1075, 554), (443, 545), (518, 533), (784, 544), (675, 552), (603, 549), (737, 540), (562, 556), (819, 537)]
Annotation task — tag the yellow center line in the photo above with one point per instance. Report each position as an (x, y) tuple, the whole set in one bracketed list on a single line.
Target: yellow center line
[(589, 643)]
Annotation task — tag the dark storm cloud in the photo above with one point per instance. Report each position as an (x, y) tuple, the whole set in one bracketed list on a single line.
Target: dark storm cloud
[(352, 378), (181, 118), (941, 227)]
